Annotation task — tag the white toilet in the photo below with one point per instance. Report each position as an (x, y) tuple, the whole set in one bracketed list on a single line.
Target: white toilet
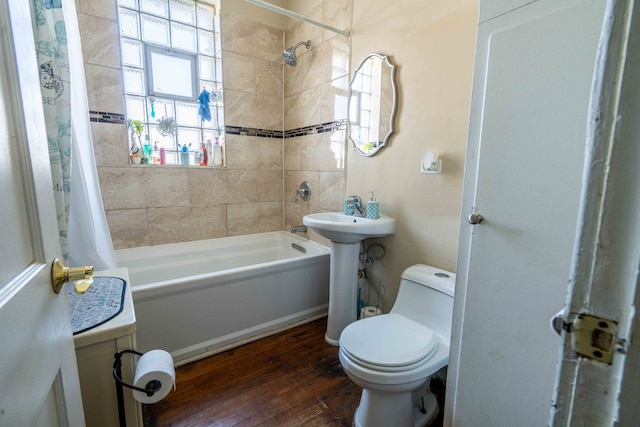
[(393, 356)]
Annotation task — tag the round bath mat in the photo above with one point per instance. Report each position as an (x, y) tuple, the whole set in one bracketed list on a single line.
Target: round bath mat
[(103, 301)]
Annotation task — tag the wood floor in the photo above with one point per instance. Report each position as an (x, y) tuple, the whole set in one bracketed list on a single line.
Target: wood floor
[(290, 379)]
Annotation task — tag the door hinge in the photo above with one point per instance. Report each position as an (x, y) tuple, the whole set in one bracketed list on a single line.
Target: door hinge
[(594, 337)]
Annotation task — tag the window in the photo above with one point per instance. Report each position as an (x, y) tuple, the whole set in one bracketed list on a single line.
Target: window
[(170, 54)]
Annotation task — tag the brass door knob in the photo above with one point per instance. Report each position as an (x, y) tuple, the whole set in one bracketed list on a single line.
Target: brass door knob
[(82, 276)]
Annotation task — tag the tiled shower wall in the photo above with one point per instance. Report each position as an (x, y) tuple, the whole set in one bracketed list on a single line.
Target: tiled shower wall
[(255, 192), (315, 93)]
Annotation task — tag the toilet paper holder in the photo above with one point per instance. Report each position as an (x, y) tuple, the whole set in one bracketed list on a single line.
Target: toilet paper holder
[(150, 389)]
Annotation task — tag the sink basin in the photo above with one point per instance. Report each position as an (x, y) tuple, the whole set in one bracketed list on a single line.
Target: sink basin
[(342, 228)]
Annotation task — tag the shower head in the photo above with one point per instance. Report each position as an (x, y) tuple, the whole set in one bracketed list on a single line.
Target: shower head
[(289, 55)]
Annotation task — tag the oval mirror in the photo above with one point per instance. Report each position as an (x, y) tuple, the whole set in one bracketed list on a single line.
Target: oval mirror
[(372, 104)]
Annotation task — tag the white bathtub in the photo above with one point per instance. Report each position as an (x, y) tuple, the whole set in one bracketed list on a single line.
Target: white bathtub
[(198, 298)]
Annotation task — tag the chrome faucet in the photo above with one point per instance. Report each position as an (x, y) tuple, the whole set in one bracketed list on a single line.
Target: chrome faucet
[(356, 204), (299, 229)]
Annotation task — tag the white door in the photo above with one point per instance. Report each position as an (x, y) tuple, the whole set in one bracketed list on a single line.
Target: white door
[(524, 170), (38, 374)]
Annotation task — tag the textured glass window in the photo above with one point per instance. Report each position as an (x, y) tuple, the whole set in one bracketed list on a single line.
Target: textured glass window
[(182, 28), (133, 80), (187, 114), (135, 108), (183, 37), (183, 11), (205, 17), (129, 23), (131, 53), (155, 30), (206, 45), (156, 7)]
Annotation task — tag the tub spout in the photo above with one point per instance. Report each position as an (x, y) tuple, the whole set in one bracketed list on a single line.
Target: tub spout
[(299, 229)]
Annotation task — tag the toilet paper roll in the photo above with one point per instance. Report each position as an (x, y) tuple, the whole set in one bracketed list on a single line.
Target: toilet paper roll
[(369, 311), (154, 365)]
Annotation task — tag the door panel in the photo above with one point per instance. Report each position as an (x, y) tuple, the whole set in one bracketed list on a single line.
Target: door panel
[(38, 373), (527, 186)]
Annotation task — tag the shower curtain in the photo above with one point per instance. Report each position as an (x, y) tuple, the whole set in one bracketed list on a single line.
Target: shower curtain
[(84, 233)]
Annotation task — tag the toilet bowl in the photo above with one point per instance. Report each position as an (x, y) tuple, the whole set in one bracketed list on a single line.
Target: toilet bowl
[(393, 356)]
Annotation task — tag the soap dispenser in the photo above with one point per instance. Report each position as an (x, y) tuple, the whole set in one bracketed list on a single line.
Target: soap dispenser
[(373, 208)]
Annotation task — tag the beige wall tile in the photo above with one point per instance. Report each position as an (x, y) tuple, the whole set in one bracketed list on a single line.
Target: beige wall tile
[(302, 31), (322, 152), (247, 218), (166, 186), (102, 8), (293, 80), (268, 78), (337, 14), (292, 153), (293, 213), (104, 89), (332, 191), (183, 224), (252, 152), (302, 109), (251, 110), (210, 187), (334, 101), (239, 72), (128, 227), (251, 38), (110, 144), (122, 188), (99, 40), (143, 186), (292, 181)]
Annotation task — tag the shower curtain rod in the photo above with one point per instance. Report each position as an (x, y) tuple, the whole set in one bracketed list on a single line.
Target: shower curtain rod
[(291, 14)]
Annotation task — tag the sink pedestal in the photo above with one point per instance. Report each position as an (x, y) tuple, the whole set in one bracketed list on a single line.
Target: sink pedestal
[(345, 233), (343, 289)]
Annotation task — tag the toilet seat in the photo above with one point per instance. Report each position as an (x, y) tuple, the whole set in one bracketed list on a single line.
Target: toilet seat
[(388, 343)]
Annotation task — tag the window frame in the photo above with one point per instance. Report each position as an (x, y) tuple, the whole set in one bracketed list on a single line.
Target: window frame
[(150, 50)]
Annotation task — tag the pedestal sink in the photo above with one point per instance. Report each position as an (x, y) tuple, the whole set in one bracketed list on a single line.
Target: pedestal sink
[(345, 232)]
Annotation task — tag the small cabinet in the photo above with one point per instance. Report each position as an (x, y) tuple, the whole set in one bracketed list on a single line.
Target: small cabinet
[(94, 353)]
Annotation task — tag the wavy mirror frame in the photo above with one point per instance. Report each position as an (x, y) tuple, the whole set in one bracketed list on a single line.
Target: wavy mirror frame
[(371, 147)]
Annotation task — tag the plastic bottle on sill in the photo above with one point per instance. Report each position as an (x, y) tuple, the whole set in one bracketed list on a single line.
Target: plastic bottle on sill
[(209, 147), (217, 153), (155, 157)]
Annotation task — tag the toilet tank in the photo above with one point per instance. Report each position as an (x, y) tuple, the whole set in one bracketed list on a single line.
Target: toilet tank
[(426, 296)]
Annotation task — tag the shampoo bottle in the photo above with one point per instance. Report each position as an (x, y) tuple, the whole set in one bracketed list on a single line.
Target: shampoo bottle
[(217, 153), (373, 208)]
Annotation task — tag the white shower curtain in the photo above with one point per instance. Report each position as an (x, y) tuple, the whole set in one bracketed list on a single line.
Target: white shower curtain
[(84, 233)]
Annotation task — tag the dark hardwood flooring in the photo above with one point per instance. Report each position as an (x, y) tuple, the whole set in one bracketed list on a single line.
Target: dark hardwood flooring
[(289, 379)]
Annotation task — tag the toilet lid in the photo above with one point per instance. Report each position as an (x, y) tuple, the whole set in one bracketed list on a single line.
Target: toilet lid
[(390, 340)]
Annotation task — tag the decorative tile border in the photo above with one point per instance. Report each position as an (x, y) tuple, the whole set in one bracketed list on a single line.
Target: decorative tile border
[(102, 117), (245, 131), (314, 129), (292, 133), (116, 118)]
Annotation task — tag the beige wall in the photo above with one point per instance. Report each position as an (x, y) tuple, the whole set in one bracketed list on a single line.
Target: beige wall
[(432, 44)]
